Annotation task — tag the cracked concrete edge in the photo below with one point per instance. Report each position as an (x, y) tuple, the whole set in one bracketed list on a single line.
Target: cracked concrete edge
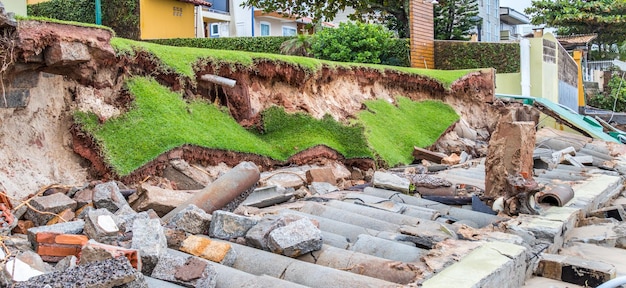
[(494, 264)]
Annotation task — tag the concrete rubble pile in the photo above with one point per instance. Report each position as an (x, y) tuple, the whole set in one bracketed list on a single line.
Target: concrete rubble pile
[(425, 224)]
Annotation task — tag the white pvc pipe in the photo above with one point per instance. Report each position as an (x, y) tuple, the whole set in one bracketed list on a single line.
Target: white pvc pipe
[(613, 283)]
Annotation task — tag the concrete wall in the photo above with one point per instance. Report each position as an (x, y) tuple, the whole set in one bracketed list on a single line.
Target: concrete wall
[(489, 10), (166, 19), (509, 83), (276, 26), (16, 6)]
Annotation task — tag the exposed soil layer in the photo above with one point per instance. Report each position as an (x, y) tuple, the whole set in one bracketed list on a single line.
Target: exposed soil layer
[(96, 85)]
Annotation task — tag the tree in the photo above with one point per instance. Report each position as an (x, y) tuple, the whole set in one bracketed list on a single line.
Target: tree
[(606, 18), (455, 18), (395, 13)]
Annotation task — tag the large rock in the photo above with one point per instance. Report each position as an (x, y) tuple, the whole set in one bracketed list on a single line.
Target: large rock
[(227, 225), (295, 239), (102, 226), (390, 181), (66, 53), (149, 238), (108, 196), (192, 220)]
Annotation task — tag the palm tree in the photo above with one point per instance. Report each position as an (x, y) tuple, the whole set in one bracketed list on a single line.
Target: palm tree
[(298, 46)]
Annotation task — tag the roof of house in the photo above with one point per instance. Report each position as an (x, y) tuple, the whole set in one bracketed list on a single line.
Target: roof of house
[(572, 41), (197, 2)]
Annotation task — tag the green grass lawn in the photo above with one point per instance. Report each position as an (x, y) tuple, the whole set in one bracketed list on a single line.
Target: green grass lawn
[(181, 60), (161, 120), (393, 131)]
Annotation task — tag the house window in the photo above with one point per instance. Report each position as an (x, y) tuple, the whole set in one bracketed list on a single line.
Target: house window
[(265, 29), (289, 31), (215, 30), (178, 11)]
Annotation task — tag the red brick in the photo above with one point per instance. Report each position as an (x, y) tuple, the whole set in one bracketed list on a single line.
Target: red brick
[(71, 239), (58, 250)]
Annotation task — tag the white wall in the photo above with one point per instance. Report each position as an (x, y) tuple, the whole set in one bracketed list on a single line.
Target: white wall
[(16, 6)]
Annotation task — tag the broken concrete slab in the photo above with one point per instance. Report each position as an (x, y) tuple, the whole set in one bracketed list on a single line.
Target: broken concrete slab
[(268, 196), (25, 266), (108, 196), (294, 239), (185, 270), (106, 273), (54, 203), (494, 264), (599, 234), (613, 256), (387, 249), (390, 181), (214, 251), (162, 201), (324, 174), (226, 225), (257, 236), (598, 189), (149, 238), (575, 270), (192, 220), (321, 188)]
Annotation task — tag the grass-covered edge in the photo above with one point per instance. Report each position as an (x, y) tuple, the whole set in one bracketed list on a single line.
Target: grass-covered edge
[(161, 120), (181, 60), (64, 22)]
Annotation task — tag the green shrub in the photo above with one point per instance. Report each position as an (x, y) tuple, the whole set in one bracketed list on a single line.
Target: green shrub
[(121, 15), (455, 55), (398, 53), (269, 44), (616, 90), (352, 42), (68, 10)]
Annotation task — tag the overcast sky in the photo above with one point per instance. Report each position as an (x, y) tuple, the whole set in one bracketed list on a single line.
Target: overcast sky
[(518, 5)]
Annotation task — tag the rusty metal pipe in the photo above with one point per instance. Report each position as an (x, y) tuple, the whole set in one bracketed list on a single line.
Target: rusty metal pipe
[(226, 189), (558, 195)]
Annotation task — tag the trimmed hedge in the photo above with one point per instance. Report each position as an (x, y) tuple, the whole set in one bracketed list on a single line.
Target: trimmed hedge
[(265, 44), (121, 15), (396, 55), (456, 55)]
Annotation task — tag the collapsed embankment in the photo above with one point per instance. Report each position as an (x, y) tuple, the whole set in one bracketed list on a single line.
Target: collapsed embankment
[(70, 68)]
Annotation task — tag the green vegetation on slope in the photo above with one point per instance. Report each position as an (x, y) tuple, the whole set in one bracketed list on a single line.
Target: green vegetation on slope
[(161, 120), (182, 59), (393, 131), (291, 133)]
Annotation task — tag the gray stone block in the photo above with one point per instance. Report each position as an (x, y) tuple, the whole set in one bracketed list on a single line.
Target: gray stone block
[(295, 239), (102, 226), (108, 196), (149, 238), (107, 273), (186, 271), (227, 225), (83, 197), (390, 181), (127, 219), (54, 203), (268, 196), (74, 227), (66, 53), (258, 235), (321, 188), (16, 98), (192, 220)]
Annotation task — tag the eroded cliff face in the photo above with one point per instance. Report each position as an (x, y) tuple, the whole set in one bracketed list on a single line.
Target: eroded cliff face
[(75, 68)]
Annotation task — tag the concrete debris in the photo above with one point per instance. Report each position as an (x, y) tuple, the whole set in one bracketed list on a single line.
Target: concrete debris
[(186, 271), (149, 239), (50, 205), (94, 252), (158, 199), (268, 196), (257, 236), (66, 54), (102, 226), (226, 225), (108, 196), (390, 181), (215, 251), (321, 175), (321, 188), (452, 159), (192, 220), (25, 266), (294, 239), (107, 273), (420, 153), (574, 270)]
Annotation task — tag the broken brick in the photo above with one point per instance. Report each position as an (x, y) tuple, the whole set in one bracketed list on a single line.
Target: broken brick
[(53, 247), (93, 251)]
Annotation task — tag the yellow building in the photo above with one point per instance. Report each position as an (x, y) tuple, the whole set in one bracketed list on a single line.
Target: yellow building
[(162, 18), (168, 18)]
